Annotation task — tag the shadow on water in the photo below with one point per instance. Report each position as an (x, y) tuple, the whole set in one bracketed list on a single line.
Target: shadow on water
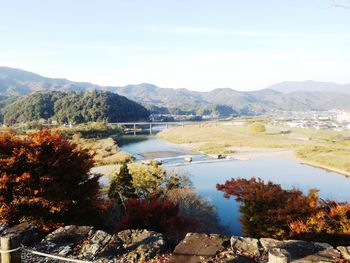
[(131, 139), (143, 135)]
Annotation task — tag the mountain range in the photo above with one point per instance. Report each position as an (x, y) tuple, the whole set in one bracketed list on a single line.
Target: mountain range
[(290, 95)]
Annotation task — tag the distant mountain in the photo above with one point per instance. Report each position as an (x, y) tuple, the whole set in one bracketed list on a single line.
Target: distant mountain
[(17, 82), (292, 95), (151, 94), (310, 86), (298, 96)]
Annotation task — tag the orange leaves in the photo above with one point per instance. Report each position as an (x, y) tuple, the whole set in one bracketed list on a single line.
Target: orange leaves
[(331, 222), (45, 178), (25, 176)]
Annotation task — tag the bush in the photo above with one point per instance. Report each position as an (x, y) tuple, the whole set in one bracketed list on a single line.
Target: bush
[(194, 206), (267, 209), (257, 127), (157, 215), (45, 179)]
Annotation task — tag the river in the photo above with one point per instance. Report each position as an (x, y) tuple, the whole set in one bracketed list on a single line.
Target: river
[(205, 173)]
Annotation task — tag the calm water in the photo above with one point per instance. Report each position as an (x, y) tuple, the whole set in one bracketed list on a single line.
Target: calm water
[(206, 173)]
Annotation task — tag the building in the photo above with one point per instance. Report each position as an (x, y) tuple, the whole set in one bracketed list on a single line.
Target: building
[(343, 116)]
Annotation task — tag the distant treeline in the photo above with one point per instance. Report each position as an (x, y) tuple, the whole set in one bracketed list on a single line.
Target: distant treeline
[(214, 110), (72, 108)]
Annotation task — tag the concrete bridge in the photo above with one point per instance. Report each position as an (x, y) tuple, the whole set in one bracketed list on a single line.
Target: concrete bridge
[(139, 126)]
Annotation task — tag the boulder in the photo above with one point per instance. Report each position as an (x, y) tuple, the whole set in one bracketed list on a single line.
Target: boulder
[(63, 240), (345, 252), (142, 245), (198, 247), (112, 249), (95, 242), (303, 251), (279, 255), (245, 246)]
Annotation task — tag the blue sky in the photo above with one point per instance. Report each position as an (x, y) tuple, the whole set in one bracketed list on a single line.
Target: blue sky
[(195, 44)]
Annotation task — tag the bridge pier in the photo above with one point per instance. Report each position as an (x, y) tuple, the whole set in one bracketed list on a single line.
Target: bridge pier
[(150, 128)]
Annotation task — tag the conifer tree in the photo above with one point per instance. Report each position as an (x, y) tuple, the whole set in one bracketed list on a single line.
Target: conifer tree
[(121, 187)]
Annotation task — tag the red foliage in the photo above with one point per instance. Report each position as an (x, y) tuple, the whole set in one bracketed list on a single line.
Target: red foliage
[(267, 209), (157, 215), (45, 179)]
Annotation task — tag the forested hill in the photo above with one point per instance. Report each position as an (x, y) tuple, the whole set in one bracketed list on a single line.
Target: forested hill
[(73, 108)]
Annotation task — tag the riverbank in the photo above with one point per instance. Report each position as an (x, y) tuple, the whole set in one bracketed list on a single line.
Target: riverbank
[(247, 153), (325, 167), (323, 149)]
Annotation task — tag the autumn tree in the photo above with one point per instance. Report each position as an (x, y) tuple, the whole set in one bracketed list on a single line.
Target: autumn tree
[(266, 209), (153, 181), (45, 179)]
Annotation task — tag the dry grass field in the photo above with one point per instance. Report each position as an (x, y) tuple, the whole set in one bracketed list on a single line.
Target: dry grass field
[(326, 149)]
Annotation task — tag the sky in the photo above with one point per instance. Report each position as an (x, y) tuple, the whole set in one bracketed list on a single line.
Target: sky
[(195, 44)]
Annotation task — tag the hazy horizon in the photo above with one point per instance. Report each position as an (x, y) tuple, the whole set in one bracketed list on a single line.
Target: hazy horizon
[(197, 45), (155, 84)]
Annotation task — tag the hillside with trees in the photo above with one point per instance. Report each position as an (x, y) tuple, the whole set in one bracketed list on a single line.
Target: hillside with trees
[(96, 106), (3, 102)]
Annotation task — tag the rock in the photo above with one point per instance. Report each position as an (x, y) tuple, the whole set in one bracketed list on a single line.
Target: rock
[(345, 252), (303, 251), (198, 247), (26, 232), (142, 244), (95, 243), (217, 156), (188, 159), (245, 246), (3, 227), (279, 255), (113, 248), (65, 251), (64, 239)]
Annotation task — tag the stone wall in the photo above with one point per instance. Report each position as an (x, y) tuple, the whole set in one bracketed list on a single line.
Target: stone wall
[(139, 245)]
